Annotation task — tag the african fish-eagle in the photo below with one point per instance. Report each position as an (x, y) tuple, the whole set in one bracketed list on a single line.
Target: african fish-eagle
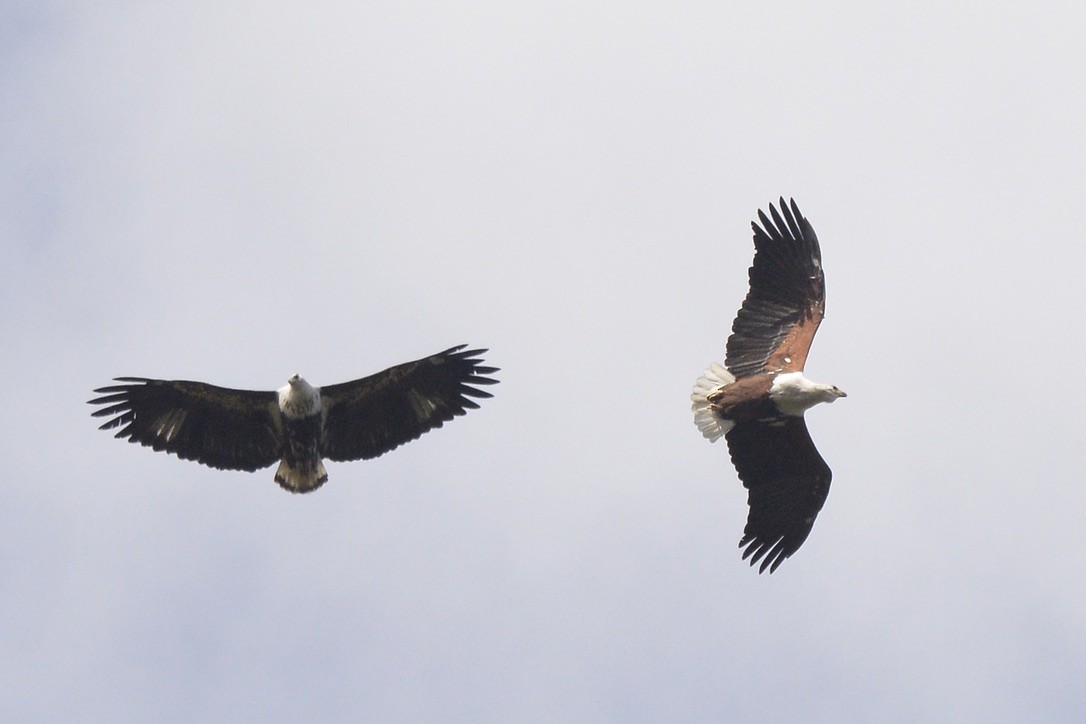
[(298, 425), (756, 400)]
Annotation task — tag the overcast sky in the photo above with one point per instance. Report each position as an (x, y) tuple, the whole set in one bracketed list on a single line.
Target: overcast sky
[(235, 195)]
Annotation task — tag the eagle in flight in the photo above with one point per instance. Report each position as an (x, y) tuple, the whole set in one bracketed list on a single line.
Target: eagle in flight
[(756, 400), (298, 425)]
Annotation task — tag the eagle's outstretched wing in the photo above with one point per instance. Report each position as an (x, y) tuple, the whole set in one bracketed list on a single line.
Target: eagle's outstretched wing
[(774, 328), (219, 427), (368, 417), (788, 482)]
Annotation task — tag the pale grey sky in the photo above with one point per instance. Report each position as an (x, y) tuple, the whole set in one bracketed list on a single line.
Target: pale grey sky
[(235, 195)]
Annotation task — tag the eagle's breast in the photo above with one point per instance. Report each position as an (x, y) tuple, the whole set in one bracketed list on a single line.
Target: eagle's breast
[(298, 399)]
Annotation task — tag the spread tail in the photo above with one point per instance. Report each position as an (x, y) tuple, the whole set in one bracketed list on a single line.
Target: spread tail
[(302, 477), (710, 424)]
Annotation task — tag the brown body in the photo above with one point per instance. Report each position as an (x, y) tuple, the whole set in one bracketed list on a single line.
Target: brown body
[(745, 400)]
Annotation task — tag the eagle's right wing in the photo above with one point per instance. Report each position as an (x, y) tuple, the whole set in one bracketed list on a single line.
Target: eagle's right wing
[(788, 482), (219, 427)]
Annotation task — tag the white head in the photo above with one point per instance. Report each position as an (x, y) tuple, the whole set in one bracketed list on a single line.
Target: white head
[(831, 392), (793, 393), (298, 398)]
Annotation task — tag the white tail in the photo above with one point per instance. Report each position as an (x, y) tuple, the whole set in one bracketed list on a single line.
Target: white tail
[(301, 479), (710, 424)]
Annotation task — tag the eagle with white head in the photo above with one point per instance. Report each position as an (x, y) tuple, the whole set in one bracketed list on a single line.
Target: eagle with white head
[(757, 399), (298, 425)]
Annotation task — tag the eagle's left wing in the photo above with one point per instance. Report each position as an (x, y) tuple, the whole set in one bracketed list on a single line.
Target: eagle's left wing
[(368, 417), (216, 426), (774, 327), (788, 482)]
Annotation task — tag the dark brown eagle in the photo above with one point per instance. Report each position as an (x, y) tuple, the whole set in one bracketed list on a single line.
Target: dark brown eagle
[(757, 399), (298, 425)]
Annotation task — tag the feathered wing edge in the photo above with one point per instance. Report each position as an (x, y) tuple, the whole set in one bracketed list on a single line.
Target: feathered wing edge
[(368, 417), (786, 298), (787, 482), (218, 427)]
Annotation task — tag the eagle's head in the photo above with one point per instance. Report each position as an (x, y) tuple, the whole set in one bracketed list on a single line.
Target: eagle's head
[(298, 398)]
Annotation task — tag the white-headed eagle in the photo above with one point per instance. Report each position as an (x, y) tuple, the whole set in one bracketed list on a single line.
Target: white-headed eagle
[(757, 399), (298, 425)]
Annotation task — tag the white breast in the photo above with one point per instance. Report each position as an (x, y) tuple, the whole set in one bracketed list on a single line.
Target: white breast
[(794, 394), (298, 399)]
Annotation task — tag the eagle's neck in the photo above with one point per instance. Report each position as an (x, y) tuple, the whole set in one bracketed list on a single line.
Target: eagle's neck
[(299, 399), (793, 394)]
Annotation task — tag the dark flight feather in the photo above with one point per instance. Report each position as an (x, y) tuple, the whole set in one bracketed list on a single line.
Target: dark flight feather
[(370, 416), (787, 482), (786, 300), (219, 427)]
